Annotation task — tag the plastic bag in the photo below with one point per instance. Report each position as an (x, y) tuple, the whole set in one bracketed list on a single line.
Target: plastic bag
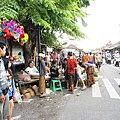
[(18, 98)]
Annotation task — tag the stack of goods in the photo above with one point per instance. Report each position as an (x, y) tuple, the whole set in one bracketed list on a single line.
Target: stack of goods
[(35, 88), (23, 75), (28, 93)]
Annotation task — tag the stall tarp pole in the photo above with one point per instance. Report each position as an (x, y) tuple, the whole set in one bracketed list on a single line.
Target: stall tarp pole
[(39, 40), (34, 54), (10, 43), (39, 50)]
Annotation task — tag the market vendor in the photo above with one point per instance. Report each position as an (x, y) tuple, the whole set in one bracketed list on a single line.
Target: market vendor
[(31, 69)]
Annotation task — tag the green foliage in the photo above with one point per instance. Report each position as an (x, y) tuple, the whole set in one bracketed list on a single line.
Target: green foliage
[(84, 3), (22, 72), (9, 9), (51, 15)]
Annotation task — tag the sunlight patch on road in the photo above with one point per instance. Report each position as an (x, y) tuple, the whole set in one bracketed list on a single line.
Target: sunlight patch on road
[(16, 117), (66, 95), (70, 94), (27, 100)]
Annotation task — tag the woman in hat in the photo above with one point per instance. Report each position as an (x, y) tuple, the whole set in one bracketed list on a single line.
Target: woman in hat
[(42, 72)]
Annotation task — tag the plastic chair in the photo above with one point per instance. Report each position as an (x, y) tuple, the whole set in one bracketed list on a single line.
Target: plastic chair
[(55, 85)]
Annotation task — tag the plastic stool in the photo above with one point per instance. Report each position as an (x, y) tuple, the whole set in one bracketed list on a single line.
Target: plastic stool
[(53, 85)]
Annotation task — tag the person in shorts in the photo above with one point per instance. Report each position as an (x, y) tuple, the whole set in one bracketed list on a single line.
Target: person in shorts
[(71, 66)]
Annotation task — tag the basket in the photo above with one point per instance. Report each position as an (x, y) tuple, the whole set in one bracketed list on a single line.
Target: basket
[(23, 76)]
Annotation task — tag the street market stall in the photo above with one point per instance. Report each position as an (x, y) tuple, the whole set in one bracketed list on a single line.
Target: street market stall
[(12, 32)]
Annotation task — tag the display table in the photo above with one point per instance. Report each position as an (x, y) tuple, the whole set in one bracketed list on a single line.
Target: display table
[(22, 84)]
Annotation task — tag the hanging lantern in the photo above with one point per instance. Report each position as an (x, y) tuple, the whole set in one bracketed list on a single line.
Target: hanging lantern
[(12, 22), (22, 32), (25, 38), (6, 33), (8, 24), (16, 36), (18, 30), (11, 30), (4, 24)]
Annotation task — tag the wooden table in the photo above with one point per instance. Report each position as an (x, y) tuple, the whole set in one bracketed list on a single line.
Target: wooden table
[(22, 84)]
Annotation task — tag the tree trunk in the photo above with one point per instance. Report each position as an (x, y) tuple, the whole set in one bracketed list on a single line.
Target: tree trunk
[(27, 52), (28, 47)]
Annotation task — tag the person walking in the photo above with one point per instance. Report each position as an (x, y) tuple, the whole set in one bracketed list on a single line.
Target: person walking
[(4, 98), (71, 65), (42, 73), (98, 60)]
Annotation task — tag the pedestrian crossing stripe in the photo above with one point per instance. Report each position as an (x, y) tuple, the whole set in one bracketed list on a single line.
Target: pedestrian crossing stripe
[(117, 80), (112, 92), (96, 90)]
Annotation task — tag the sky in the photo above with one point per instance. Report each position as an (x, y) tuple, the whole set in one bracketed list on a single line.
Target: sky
[(103, 24)]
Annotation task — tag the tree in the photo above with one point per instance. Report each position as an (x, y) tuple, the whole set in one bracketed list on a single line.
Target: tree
[(51, 15)]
